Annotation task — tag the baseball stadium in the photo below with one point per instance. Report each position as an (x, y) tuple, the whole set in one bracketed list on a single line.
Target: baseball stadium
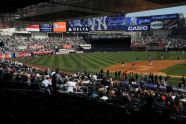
[(93, 61)]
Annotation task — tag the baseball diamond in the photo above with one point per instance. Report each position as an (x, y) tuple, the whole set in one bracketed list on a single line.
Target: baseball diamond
[(112, 61)]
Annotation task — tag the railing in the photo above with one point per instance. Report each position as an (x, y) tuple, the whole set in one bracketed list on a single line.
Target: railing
[(73, 89)]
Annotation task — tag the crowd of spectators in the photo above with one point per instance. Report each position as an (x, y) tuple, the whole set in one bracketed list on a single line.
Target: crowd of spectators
[(154, 91), (165, 43), (28, 44), (176, 43)]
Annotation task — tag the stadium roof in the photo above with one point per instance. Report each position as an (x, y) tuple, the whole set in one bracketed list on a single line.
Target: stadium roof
[(68, 9), (10, 6)]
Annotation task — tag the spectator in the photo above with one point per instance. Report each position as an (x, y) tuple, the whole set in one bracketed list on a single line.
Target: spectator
[(56, 79)]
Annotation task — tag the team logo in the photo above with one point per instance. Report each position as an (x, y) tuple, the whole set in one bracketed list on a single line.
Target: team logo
[(99, 23)]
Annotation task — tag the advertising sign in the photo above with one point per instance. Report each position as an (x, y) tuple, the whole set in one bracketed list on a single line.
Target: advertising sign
[(163, 17), (46, 27), (59, 27), (156, 25), (170, 23), (106, 23), (2, 56), (138, 28), (119, 23), (36, 46), (108, 36), (22, 54), (165, 22), (134, 21), (42, 52), (154, 22), (22, 47), (32, 28), (78, 29), (78, 25), (7, 55)]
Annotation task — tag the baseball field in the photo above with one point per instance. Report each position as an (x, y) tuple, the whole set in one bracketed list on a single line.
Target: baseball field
[(164, 63)]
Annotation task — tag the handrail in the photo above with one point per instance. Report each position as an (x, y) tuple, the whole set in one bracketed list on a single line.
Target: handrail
[(72, 89)]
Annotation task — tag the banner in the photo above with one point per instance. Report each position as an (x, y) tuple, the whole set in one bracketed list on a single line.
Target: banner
[(165, 22), (46, 27), (59, 27), (2, 56), (163, 17), (8, 55), (156, 25), (67, 46), (42, 52), (32, 28), (107, 23), (170, 24), (120, 23), (103, 23), (13, 55), (138, 28), (78, 25), (136, 21), (22, 47), (107, 36), (36, 46), (22, 54)]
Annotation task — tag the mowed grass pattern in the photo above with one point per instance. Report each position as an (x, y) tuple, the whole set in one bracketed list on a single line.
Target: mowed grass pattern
[(179, 69), (94, 62)]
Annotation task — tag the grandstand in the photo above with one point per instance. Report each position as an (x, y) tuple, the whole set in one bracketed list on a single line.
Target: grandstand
[(85, 61)]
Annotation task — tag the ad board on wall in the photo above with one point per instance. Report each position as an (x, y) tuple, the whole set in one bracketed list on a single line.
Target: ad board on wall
[(122, 23), (31, 28), (107, 23), (59, 27), (78, 25), (46, 27), (165, 22)]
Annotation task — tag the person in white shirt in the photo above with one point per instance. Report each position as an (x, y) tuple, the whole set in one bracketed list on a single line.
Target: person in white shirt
[(94, 77), (53, 72), (46, 82), (71, 85)]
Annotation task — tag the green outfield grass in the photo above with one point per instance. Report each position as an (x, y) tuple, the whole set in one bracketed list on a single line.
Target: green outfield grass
[(94, 62), (179, 69)]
